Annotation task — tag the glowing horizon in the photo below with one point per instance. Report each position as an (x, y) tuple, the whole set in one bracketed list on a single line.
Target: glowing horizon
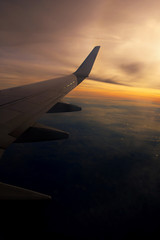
[(90, 89)]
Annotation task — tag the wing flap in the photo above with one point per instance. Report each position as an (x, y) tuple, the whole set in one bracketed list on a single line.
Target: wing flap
[(64, 107), (40, 132), (10, 192)]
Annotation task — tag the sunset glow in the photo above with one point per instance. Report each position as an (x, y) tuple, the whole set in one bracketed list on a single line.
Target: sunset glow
[(54, 40), (103, 90)]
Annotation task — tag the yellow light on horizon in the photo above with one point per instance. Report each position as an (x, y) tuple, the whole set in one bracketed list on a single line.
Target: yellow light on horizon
[(105, 90)]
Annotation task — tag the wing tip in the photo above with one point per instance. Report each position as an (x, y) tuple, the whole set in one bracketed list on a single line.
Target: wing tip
[(98, 46), (85, 68)]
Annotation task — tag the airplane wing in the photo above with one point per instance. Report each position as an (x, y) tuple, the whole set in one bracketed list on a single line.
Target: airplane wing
[(20, 107)]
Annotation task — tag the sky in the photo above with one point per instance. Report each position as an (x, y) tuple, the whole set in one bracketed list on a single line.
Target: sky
[(43, 39)]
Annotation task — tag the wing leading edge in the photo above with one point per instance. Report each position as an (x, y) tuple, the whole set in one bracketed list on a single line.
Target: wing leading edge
[(20, 107)]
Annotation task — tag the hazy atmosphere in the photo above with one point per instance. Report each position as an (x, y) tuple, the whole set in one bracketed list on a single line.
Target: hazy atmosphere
[(39, 39), (104, 180)]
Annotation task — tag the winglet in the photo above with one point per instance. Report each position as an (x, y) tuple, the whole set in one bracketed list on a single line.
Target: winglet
[(85, 68)]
